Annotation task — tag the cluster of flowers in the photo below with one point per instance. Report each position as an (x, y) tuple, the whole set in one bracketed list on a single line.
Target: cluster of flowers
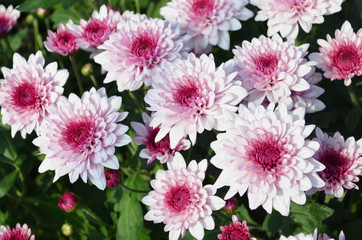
[(257, 100)]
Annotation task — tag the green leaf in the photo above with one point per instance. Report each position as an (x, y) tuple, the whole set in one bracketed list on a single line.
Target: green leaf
[(7, 146), (17, 39), (352, 119), (34, 4), (4, 218), (310, 216), (63, 16), (143, 234), (138, 183), (7, 182), (130, 219), (274, 223)]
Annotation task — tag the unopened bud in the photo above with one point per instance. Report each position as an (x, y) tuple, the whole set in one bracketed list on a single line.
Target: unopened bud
[(67, 229), (87, 69)]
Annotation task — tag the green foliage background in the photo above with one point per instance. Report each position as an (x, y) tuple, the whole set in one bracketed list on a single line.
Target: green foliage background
[(29, 197)]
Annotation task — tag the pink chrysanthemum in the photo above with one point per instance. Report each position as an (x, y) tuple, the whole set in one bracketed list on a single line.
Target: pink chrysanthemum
[(68, 202), (80, 136), (270, 69), (314, 236), (18, 233), (266, 154), (284, 15), (231, 205), (28, 90), (92, 33), (137, 53), (340, 57), (180, 201), (235, 230), (343, 162), (61, 42), (112, 177), (206, 22), (8, 18), (193, 96), (308, 98), (145, 135)]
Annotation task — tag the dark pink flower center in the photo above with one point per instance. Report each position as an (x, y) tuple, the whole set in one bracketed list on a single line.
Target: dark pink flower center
[(235, 231), (144, 46), (267, 64), (202, 7), (347, 58), (25, 96), (162, 146), (112, 177), (336, 163), (178, 198), (66, 41), (78, 135), (95, 31), (267, 154), (4, 25)]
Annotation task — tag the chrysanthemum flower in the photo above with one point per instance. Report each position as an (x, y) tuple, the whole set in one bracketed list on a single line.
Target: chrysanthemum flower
[(112, 177), (68, 202), (8, 18), (206, 22), (235, 230), (18, 233), (308, 98), (299, 236), (193, 96), (180, 201), (145, 135), (270, 69), (28, 90), (92, 33), (266, 154), (61, 42), (80, 135), (137, 53), (314, 236), (284, 16), (231, 205), (343, 162), (340, 57)]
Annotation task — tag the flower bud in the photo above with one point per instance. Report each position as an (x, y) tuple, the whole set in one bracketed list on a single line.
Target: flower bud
[(87, 69), (67, 229), (68, 202), (112, 177)]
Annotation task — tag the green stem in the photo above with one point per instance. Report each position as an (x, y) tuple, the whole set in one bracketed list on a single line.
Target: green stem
[(353, 98), (76, 72), (137, 3), (94, 216), (37, 38), (8, 46), (139, 105), (94, 81), (131, 189), (3, 53)]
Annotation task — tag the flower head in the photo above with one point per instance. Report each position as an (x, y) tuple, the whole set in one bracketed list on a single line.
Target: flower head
[(340, 57), (193, 96), (343, 161), (161, 150), (137, 53), (231, 205), (180, 201), (235, 230), (284, 15), (92, 33), (266, 154), (61, 42), (206, 22), (314, 236), (112, 177), (80, 136), (68, 202), (18, 233), (270, 69), (8, 18), (27, 92)]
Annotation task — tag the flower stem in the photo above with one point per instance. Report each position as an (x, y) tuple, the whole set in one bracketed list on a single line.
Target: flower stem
[(137, 3), (94, 81), (131, 189), (353, 98), (76, 72), (3, 53)]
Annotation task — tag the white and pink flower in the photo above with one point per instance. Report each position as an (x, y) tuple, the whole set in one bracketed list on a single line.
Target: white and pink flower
[(62, 41), (206, 22), (28, 90), (343, 161), (340, 57), (180, 201), (314, 236), (284, 16), (271, 69), (194, 96), (92, 33), (267, 155), (8, 18), (138, 52), (80, 135), (161, 150), (18, 233), (236, 230)]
